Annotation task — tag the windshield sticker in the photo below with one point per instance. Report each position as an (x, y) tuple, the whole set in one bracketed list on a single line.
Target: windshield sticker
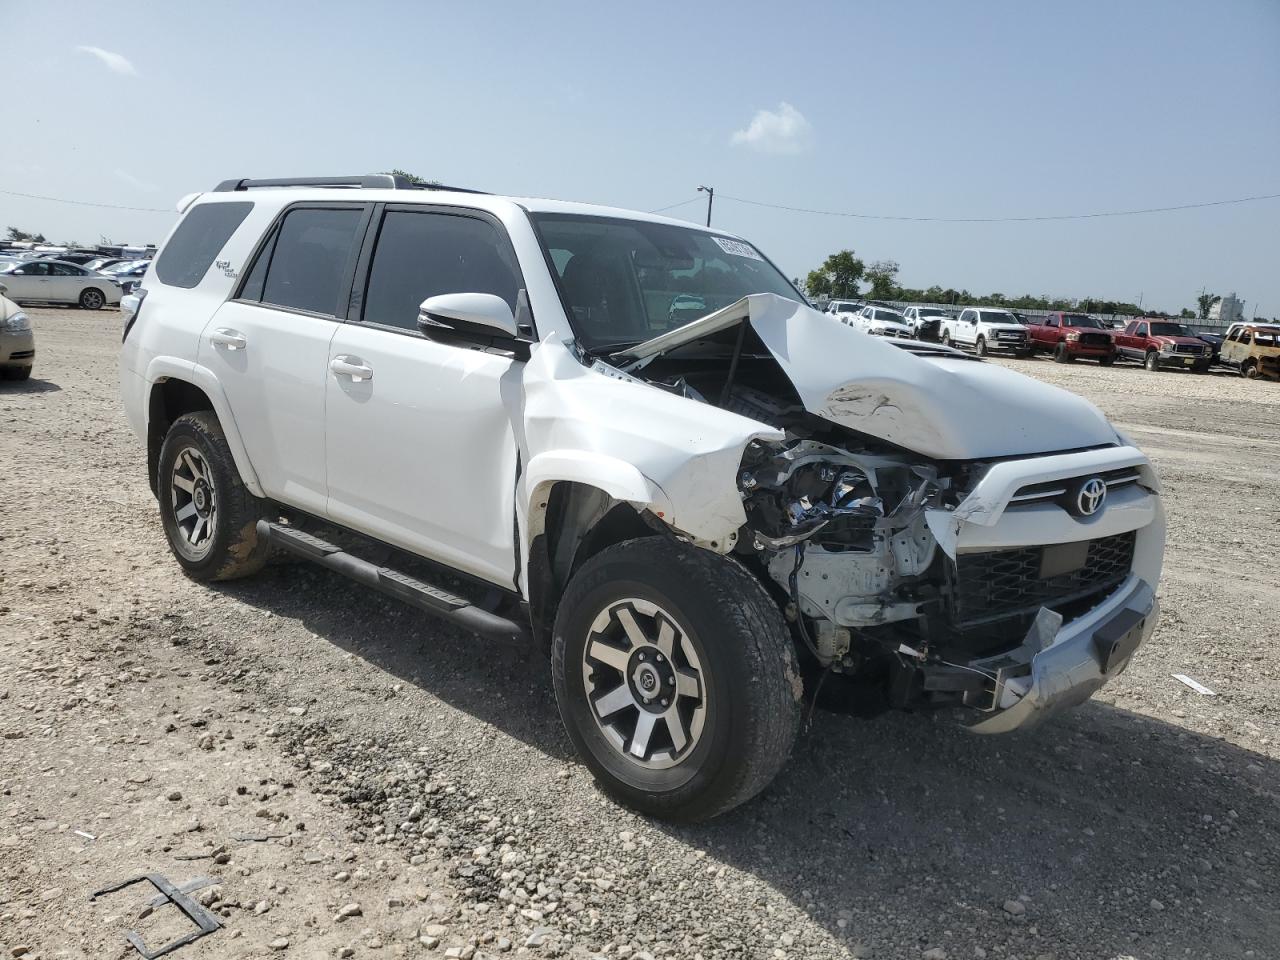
[(737, 248)]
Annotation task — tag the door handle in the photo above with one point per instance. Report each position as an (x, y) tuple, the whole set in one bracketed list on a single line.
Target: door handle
[(352, 367), (226, 337)]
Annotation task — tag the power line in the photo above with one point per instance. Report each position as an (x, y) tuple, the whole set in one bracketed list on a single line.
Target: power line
[(672, 206), (84, 203), (1060, 216)]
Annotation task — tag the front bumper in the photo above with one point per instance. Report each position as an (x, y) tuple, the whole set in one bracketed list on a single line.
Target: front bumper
[(1021, 345), (18, 349), (1073, 667)]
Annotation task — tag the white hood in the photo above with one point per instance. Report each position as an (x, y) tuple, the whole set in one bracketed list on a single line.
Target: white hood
[(944, 405)]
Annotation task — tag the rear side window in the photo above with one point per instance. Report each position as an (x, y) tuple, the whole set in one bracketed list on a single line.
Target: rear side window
[(420, 255), (197, 241), (303, 265)]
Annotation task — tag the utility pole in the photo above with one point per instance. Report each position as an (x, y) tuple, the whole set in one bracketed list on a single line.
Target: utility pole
[(711, 195)]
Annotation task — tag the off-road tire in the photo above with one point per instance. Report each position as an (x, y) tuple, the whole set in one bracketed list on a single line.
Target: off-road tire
[(752, 684), (91, 298), (1062, 355), (1152, 362), (981, 346), (234, 549), (15, 373)]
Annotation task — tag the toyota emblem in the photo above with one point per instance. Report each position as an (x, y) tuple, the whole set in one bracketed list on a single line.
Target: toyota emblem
[(1091, 496)]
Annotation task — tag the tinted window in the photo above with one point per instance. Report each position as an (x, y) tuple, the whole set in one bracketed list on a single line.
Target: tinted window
[(34, 270), (306, 263), (65, 270), (420, 255), (197, 241)]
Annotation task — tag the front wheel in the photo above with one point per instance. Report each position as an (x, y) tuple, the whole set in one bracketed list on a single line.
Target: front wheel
[(982, 346), (1106, 361), (1061, 354), (1250, 369), (1152, 362), (15, 373), (946, 338), (675, 677), (210, 518)]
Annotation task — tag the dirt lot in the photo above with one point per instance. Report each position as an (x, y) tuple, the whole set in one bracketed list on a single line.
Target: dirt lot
[(409, 790)]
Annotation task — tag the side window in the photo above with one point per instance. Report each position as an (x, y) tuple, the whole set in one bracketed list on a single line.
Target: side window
[(422, 254), (197, 241), (1142, 330), (64, 270), (966, 316), (1051, 322), (39, 268), (302, 267)]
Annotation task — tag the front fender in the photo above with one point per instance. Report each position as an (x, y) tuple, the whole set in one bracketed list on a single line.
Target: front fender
[(171, 368)]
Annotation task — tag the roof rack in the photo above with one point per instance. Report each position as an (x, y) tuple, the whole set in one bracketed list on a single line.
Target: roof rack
[(372, 181)]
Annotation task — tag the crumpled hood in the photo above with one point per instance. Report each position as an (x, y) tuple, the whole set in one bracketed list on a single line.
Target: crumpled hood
[(945, 406)]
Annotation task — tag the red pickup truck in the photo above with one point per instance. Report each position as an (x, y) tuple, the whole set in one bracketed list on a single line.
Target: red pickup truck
[(1070, 336), (1161, 343)]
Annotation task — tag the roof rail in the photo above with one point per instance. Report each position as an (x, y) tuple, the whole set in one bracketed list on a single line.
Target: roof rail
[(372, 181)]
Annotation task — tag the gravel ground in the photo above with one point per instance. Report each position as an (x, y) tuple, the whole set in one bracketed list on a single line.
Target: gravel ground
[(407, 790)]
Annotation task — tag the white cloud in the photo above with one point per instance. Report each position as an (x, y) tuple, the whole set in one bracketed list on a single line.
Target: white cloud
[(115, 62), (136, 182), (784, 130)]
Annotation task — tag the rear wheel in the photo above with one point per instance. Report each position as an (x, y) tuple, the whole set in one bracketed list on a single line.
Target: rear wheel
[(210, 518), (675, 677), (1152, 362), (92, 299), (1061, 355)]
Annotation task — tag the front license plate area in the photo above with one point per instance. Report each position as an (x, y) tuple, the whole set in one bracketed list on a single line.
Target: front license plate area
[(1116, 639), (1063, 558)]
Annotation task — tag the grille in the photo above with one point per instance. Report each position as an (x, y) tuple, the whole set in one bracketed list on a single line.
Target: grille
[(1095, 339), (1187, 348), (1053, 489), (1007, 583)]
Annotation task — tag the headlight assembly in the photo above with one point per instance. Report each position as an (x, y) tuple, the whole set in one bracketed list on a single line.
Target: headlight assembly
[(16, 324)]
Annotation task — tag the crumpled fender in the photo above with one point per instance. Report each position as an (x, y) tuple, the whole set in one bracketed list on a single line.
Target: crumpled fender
[(164, 368), (640, 444)]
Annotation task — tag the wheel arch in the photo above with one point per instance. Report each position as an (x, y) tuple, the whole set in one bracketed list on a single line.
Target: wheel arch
[(570, 520), (176, 388)]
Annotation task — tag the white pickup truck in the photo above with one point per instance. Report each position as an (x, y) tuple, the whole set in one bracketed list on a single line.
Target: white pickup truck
[(987, 330)]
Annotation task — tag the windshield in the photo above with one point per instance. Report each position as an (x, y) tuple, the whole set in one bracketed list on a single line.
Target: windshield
[(998, 316), (624, 281), (931, 312), (1080, 320), (1170, 330)]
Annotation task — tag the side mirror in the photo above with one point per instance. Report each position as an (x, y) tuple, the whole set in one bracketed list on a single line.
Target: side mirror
[(468, 315)]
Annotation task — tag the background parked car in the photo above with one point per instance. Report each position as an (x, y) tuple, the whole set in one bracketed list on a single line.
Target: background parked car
[(52, 281), (987, 330), (882, 322), (129, 273), (1159, 343), (1214, 340), (1253, 349), (17, 341), (1072, 336), (844, 308), (925, 322)]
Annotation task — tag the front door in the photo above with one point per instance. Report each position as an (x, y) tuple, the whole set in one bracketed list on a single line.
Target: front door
[(420, 449), (269, 347)]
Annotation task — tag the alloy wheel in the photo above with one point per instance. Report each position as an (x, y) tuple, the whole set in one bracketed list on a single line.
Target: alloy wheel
[(194, 500), (644, 683)]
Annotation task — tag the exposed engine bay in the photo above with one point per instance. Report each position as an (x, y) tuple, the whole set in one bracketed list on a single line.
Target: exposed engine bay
[(836, 526)]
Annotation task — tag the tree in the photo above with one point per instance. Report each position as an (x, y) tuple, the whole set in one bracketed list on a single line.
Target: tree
[(1187, 314), (19, 236), (1205, 301), (837, 277), (883, 277), (411, 177)]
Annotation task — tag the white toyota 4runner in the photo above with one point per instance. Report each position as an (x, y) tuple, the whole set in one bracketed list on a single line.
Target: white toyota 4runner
[(487, 407)]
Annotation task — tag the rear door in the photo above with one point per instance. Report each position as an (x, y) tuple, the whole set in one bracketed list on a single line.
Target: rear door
[(66, 282), (269, 346), (420, 449)]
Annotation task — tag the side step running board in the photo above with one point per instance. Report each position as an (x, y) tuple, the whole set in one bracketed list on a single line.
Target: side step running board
[(412, 591)]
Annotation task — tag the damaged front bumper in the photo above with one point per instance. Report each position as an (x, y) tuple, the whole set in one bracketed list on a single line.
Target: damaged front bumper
[(1038, 680)]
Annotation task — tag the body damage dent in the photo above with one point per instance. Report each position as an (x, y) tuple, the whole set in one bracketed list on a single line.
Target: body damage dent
[(641, 445)]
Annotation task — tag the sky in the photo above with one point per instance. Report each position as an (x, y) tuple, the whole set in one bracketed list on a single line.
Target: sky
[(909, 109)]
